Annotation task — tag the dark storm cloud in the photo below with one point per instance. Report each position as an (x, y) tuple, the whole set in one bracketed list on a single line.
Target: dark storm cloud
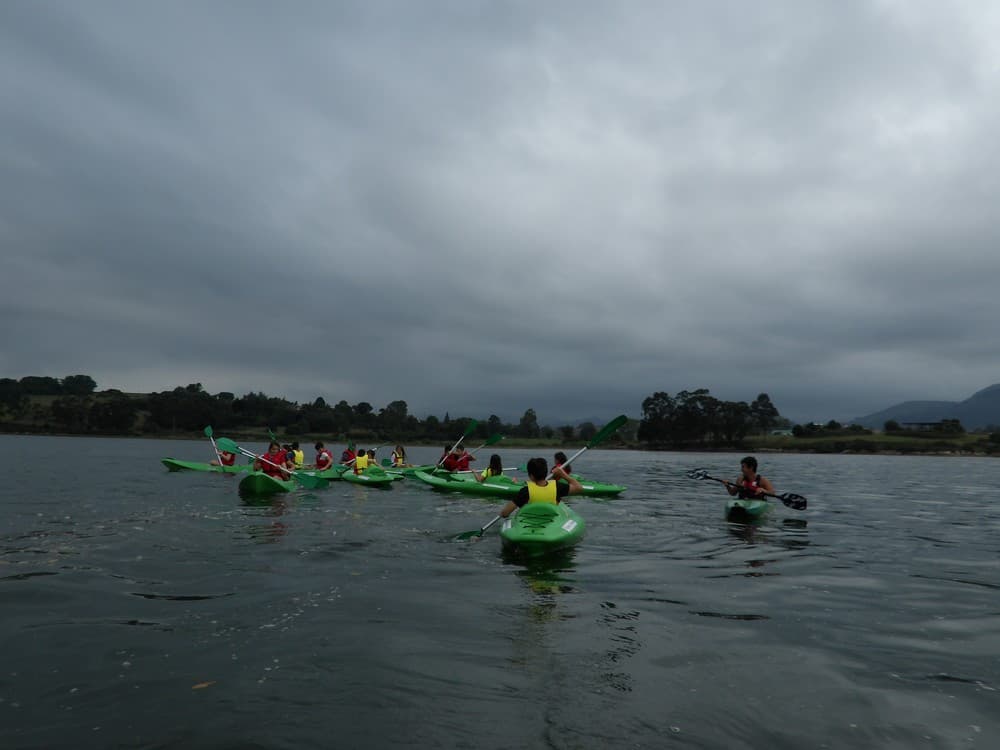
[(481, 207)]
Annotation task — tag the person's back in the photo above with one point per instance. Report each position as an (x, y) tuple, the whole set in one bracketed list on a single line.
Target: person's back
[(495, 469), (360, 462), (540, 489)]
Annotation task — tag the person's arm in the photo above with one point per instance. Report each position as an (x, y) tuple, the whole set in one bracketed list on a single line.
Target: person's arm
[(519, 501), (575, 488), (732, 488), (766, 486)]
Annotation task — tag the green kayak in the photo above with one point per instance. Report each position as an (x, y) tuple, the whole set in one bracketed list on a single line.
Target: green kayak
[(373, 477), (542, 527), (259, 483), (175, 464), (408, 471), (502, 486), (746, 510)]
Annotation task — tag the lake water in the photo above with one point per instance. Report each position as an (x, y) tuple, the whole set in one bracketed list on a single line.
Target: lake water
[(147, 609)]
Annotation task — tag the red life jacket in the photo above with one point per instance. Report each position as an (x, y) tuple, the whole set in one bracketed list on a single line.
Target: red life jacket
[(749, 487), (346, 456), (323, 459), (463, 462), (275, 458), (451, 463), (227, 459)]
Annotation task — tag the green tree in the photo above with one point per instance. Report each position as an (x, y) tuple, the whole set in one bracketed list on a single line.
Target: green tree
[(834, 425), (528, 426), (37, 385), (587, 431), (79, 385), (567, 431), (113, 415), (764, 413), (891, 425)]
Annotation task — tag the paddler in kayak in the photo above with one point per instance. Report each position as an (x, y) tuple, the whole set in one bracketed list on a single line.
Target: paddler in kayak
[(298, 455), (540, 490), (560, 461), (227, 459), (749, 483), (348, 454), (495, 469), (399, 456), (458, 460), (271, 463), (324, 459), (361, 461)]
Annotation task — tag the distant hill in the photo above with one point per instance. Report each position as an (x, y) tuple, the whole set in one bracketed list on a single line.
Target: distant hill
[(976, 412)]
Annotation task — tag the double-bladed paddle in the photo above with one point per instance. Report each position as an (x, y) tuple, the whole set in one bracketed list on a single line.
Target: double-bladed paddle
[(208, 434), (792, 500), (607, 431), (491, 440), (306, 480), (468, 431)]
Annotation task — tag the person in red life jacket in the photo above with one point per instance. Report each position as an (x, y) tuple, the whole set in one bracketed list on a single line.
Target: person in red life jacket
[(272, 462), (324, 459), (348, 456), (444, 455), (560, 460), (538, 489), (227, 459), (458, 460), (749, 484)]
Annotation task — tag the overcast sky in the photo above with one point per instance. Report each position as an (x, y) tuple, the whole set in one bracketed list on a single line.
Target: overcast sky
[(480, 207)]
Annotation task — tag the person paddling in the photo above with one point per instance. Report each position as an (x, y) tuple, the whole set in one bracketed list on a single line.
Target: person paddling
[(361, 461), (749, 484), (560, 460), (299, 456), (495, 469), (272, 462), (348, 454), (458, 460), (324, 458), (538, 489), (226, 459)]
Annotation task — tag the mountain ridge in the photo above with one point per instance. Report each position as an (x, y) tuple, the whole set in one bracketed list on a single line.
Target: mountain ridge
[(980, 410)]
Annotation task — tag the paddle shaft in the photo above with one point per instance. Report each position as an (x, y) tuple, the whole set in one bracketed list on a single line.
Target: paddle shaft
[(790, 499), (468, 430)]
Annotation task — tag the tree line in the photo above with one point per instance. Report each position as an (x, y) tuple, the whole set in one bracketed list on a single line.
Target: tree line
[(73, 405), (692, 419)]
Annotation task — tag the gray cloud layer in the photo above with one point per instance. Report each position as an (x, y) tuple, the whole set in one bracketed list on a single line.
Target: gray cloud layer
[(481, 207)]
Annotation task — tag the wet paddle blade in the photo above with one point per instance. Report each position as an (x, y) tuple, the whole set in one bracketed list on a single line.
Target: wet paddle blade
[(793, 501), (609, 429), (208, 431)]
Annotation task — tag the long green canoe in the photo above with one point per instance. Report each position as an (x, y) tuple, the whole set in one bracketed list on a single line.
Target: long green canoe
[(538, 528), (502, 486), (175, 464), (259, 483)]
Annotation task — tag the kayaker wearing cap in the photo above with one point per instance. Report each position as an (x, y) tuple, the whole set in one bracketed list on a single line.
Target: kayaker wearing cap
[(271, 463), (495, 469), (324, 459), (560, 460), (749, 484), (540, 490)]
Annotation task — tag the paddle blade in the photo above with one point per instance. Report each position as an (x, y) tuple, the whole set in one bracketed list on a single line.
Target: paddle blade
[(793, 501), (208, 431), (468, 535), (698, 474), (609, 429), (274, 438), (493, 439), (227, 445), (471, 428)]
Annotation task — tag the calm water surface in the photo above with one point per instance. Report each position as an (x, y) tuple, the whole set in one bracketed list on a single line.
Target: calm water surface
[(142, 608)]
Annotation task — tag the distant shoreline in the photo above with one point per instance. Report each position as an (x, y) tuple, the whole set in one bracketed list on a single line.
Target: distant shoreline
[(870, 445)]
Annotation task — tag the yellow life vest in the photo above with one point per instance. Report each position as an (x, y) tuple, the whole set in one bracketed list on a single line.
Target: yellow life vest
[(547, 494), (398, 458), (361, 463), (300, 457), (488, 472)]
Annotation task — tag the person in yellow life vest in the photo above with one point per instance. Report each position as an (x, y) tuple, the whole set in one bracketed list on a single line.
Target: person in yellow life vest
[(495, 469), (361, 462), (399, 456), (299, 456), (538, 489)]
